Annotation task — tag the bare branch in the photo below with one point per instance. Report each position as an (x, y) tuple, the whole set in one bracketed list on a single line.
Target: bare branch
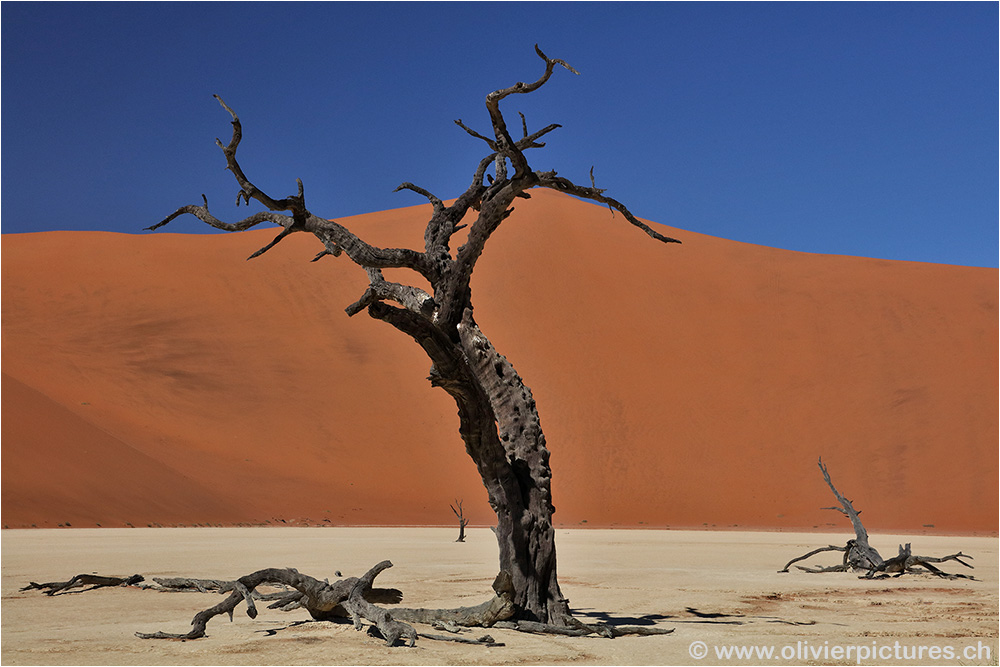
[(284, 232), (811, 553), (551, 180), (437, 203), (335, 237), (955, 557), (521, 87), (530, 140), (201, 212), (248, 190), (505, 145), (489, 142)]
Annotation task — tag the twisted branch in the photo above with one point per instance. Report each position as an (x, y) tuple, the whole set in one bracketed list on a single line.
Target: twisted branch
[(505, 145), (813, 553), (552, 181), (335, 237), (295, 204)]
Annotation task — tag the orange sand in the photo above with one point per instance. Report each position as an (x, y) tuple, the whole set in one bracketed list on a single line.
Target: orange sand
[(161, 379)]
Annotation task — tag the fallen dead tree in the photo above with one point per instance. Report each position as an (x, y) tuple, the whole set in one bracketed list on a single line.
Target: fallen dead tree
[(319, 598), (353, 598), (860, 556)]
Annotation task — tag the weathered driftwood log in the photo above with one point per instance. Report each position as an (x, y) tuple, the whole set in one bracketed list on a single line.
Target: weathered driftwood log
[(92, 580), (859, 555), (320, 599)]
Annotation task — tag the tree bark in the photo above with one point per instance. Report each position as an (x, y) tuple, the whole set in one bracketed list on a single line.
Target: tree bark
[(499, 424)]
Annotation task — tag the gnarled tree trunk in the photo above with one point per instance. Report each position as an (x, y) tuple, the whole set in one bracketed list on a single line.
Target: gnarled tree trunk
[(499, 423), (498, 420)]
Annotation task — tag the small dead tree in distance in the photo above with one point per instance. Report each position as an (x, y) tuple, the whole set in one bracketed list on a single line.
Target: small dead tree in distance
[(462, 521), (498, 418), (862, 557)]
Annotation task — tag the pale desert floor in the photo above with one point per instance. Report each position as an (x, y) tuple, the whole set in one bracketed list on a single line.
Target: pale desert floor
[(629, 576)]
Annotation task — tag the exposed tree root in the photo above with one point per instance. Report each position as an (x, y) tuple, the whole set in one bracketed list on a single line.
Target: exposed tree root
[(859, 556)]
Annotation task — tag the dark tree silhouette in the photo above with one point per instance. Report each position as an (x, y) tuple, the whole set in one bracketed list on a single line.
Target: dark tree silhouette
[(498, 419), (462, 521)]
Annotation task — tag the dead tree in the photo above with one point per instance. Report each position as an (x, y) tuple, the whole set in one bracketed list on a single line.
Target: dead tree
[(462, 521), (498, 418), (859, 556)]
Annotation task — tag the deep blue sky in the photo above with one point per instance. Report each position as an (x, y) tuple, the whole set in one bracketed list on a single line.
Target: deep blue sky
[(846, 128)]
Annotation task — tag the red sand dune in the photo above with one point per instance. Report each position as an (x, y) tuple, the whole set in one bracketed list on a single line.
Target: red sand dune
[(161, 379)]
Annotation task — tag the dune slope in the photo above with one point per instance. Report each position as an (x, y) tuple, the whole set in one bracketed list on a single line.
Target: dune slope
[(162, 379)]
